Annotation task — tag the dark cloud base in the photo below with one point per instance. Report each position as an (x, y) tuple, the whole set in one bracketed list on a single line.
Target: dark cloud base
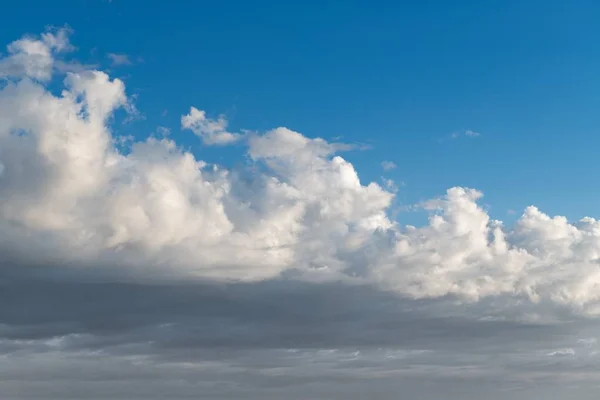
[(272, 314), (268, 340)]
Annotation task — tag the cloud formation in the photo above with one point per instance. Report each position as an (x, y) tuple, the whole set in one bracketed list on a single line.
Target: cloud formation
[(34, 58), (70, 196), (212, 132), (144, 255)]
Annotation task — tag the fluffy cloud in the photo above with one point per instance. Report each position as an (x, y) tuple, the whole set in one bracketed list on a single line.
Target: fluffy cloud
[(212, 132), (34, 58), (68, 196)]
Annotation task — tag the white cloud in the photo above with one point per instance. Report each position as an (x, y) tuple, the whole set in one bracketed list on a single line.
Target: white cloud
[(212, 132), (34, 57), (388, 165), (561, 352), (69, 197)]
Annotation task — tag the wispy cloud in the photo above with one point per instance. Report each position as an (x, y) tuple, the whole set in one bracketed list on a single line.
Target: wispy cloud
[(465, 133), (163, 131), (387, 165), (119, 59), (471, 133), (74, 66)]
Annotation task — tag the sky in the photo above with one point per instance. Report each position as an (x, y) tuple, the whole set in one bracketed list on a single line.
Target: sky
[(299, 200)]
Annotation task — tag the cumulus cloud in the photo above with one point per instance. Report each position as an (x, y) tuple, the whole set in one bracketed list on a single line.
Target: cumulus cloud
[(34, 57), (211, 131), (69, 196), (142, 254)]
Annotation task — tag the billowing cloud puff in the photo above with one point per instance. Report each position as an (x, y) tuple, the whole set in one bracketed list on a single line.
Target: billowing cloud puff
[(297, 211), (212, 132), (34, 58)]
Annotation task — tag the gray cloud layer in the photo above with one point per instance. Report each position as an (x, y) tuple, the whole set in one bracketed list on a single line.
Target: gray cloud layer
[(147, 273)]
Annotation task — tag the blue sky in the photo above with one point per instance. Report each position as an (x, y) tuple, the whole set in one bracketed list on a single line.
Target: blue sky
[(398, 77)]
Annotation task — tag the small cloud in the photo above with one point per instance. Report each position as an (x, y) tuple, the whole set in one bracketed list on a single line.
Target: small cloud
[(391, 185), (164, 113), (561, 352), (463, 133), (133, 114), (511, 212), (388, 165), (163, 131), (119, 59), (471, 133), (588, 342), (211, 131)]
